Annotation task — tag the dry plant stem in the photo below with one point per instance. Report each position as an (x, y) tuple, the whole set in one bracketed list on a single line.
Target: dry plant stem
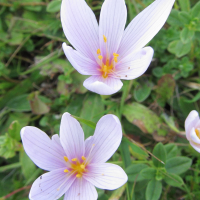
[(143, 148), (25, 4), (16, 191)]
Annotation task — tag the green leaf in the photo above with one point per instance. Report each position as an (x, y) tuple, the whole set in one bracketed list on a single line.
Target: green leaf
[(195, 10), (87, 122), (143, 117), (178, 165), (194, 99), (171, 150), (19, 103), (160, 152), (35, 8), (186, 35), (173, 18), (184, 4), (184, 17), (54, 6), (133, 172), (14, 130), (182, 49), (28, 167), (142, 92), (91, 110), (154, 189), (148, 173), (173, 180)]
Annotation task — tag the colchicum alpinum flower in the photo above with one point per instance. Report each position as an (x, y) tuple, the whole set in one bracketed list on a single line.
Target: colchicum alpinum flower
[(107, 52), (192, 128), (76, 166)]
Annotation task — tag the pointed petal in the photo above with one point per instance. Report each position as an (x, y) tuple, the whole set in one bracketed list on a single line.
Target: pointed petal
[(135, 64), (80, 27), (145, 26), (194, 137), (72, 137), (82, 64), (44, 152), (81, 190), (195, 146), (103, 86), (112, 23), (106, 176), (51, 186), (107, 137)]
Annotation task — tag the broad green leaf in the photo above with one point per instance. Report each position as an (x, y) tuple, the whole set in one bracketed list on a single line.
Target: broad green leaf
[(28, 167), (160, 152), (142, 92), (154, 189), (178, 165), (19, 103), (133, 172), (184, 17), (148, 173), (173, 180), (91, 110), (182, 49), (172, 46), (54, 6), (116, 195), (125, 153), (143, 117), (171, 150), (186, 35), (173, 18), (87, 122), (14, 130), (184, 4), (195, 10)]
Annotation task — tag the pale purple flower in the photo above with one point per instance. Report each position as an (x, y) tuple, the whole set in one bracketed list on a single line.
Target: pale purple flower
[(192, 128), (106, 51), (76, 166)]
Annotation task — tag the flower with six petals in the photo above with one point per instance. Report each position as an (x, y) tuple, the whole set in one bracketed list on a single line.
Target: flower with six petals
[(106, 51), (192, 128), (76, 166)]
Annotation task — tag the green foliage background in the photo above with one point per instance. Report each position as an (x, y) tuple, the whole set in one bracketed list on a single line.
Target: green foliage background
[(38, 84)]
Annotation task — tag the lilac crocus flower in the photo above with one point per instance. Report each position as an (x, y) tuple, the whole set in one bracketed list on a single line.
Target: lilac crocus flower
[(192, 128), (76, 166), (107, 52)]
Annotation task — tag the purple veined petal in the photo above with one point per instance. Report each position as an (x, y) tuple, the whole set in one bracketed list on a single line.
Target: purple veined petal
[(134, 65), (80, 27), (112, 23), (190, 122), (195, 146), (103, 86), (82, 64), (81, 190), (107, 138), (52, 185), (72, 137), (106, 176), (194, 137), (44, 152), (145, 26)]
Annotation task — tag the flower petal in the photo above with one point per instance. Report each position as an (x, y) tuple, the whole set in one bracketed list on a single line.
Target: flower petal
[(72, 137), (195, 146), (112, 23), (51, 186), (107, 137), (80, 27), (193, 136), (81, 190), (82, 64), (106, 176), (145, 26), (103, 86), (135, 64), (44, 152)]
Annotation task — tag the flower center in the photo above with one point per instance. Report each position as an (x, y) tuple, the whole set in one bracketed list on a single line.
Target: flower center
[(197, 131), (106, 67)]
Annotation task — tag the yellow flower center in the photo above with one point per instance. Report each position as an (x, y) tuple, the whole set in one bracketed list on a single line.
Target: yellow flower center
[(197, 131), (106, 67)]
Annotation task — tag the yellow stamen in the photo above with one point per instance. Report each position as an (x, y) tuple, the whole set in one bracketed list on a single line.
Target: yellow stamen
[(74, 159), (66, 170), (115, 59), (98, 51), (82, 166), (83, 158), (78, 175), (104, 38), (66, 158), (100, 57), (115, 55), (197, 131)]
